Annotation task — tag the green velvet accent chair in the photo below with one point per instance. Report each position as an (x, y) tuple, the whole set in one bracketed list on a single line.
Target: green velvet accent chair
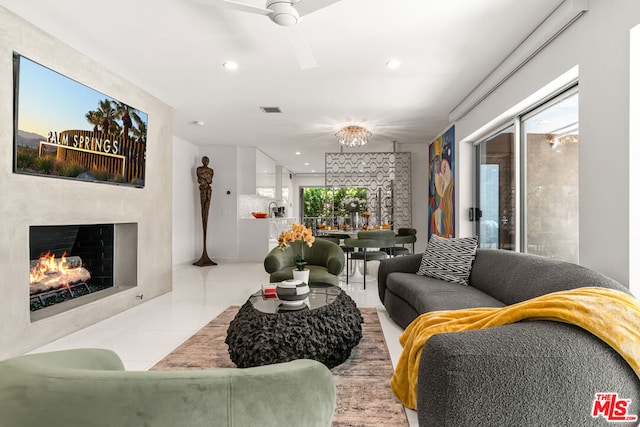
[(89, 387), (370, 245), (325, 261)]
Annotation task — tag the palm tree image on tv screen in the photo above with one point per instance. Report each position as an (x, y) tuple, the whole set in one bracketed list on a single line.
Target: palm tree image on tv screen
[(68, 130)]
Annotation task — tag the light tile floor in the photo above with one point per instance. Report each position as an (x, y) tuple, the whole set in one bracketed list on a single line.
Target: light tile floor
[(148, 332)]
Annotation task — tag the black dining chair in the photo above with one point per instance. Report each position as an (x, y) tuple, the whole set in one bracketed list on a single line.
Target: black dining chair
[(404, 237), (369, 244)]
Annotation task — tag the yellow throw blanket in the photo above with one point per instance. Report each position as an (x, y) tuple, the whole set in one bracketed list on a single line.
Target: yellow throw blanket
[(612, 316)]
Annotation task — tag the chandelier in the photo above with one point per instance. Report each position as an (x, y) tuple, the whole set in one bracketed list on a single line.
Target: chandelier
[(353, 136)]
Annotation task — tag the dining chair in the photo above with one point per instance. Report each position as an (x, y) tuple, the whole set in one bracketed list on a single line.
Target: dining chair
[(369, 244), (404, 237)]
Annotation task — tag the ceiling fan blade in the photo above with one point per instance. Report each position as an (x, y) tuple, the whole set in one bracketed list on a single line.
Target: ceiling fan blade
[(243, 7), (300, 48), (305, 7)]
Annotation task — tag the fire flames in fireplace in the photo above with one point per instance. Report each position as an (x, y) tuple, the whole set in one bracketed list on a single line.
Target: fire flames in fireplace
[(68, 262), (50, 273), (52, 280)]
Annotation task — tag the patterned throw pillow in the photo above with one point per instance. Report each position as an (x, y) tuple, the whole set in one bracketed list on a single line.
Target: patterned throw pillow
[(449, 259)]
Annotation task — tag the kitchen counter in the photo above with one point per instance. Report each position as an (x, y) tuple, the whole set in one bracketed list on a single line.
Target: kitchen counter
[(257, 236)]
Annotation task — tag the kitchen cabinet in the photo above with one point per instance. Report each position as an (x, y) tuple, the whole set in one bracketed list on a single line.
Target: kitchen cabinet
[(256, 172)]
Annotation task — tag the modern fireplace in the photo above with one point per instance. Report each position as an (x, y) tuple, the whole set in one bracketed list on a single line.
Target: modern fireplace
[(71, 265)]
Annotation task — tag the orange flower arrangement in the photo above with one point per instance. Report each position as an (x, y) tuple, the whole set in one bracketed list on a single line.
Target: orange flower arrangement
[(297, 232)]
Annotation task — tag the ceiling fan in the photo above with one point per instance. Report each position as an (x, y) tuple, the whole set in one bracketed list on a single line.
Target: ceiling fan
[(287, 13)]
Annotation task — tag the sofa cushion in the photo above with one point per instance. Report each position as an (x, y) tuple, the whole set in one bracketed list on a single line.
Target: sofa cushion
[(449, 259), (428, 294), (512, 277)]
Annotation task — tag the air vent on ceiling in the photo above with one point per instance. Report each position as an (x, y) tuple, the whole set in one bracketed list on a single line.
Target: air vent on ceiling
[(271, 109)]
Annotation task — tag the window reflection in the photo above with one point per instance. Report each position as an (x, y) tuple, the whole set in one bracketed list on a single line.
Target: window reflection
[(552, 164)]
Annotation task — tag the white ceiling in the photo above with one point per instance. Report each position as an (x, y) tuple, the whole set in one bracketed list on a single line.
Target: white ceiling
[(175, 49)]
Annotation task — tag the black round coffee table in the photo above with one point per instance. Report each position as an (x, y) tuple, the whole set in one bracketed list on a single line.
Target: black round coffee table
[(326, 329)]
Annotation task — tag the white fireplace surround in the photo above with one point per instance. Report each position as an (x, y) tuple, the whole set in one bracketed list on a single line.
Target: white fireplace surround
[(143, 214)]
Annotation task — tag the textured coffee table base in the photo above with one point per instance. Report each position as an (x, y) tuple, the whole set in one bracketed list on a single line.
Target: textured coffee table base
[(326, 334)]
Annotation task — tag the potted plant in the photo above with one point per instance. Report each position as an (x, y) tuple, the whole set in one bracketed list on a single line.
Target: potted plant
[(287, 237)]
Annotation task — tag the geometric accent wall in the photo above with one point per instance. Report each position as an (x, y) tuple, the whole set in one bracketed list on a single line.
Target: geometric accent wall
[(386, 176)]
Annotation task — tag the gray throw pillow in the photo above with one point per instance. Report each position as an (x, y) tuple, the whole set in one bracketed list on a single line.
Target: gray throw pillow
[(449, 259)]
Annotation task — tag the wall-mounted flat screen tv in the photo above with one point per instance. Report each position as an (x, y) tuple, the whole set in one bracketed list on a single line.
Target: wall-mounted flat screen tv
[(65, 129)]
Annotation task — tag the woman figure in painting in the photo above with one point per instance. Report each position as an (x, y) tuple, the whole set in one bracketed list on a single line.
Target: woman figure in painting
[(444, 188)]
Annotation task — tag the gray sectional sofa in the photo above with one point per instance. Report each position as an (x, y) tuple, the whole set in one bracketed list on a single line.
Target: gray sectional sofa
[(534, 373)]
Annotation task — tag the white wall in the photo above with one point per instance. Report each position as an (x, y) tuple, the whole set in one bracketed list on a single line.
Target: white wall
[(598, 43), (222, 230), (419, 190), (31, 200), (187, 222), (246, 169), (634, 161), (222, 227)]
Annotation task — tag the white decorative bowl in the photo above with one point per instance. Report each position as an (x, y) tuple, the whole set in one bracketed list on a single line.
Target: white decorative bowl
[(292, 292)]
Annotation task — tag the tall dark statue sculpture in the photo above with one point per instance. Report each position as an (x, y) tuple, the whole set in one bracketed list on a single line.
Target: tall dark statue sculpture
[(205, 178)]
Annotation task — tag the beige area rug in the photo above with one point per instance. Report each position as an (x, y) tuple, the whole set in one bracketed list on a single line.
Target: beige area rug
[(362, 382)]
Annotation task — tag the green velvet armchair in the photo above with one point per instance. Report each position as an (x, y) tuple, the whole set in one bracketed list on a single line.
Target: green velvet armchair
[(89, 388), (325, 261)]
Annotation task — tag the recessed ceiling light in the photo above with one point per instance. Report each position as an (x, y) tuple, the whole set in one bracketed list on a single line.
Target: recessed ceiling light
[(197, 123), (306, 163), (313, 170), (298, 153), (393, 63), (230, 65)]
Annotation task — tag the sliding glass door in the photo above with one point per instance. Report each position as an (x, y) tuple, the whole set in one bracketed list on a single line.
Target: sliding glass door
[(496, 190), (527, 182)]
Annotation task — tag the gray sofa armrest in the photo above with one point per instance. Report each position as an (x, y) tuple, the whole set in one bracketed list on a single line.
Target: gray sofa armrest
[(402, 264), (527, 373)]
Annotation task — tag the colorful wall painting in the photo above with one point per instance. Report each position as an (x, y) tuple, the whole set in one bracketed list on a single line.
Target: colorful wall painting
[(441, 185)]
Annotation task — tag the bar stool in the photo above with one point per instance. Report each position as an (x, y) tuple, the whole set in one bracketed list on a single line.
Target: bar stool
[(373, 240)]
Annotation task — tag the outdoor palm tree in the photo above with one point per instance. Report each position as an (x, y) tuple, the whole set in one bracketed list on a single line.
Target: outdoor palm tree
[(125, 113), (107, 116), (140, 129), (94, 119)]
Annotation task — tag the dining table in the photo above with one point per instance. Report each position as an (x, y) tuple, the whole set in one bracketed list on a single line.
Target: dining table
[(355, 275)]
